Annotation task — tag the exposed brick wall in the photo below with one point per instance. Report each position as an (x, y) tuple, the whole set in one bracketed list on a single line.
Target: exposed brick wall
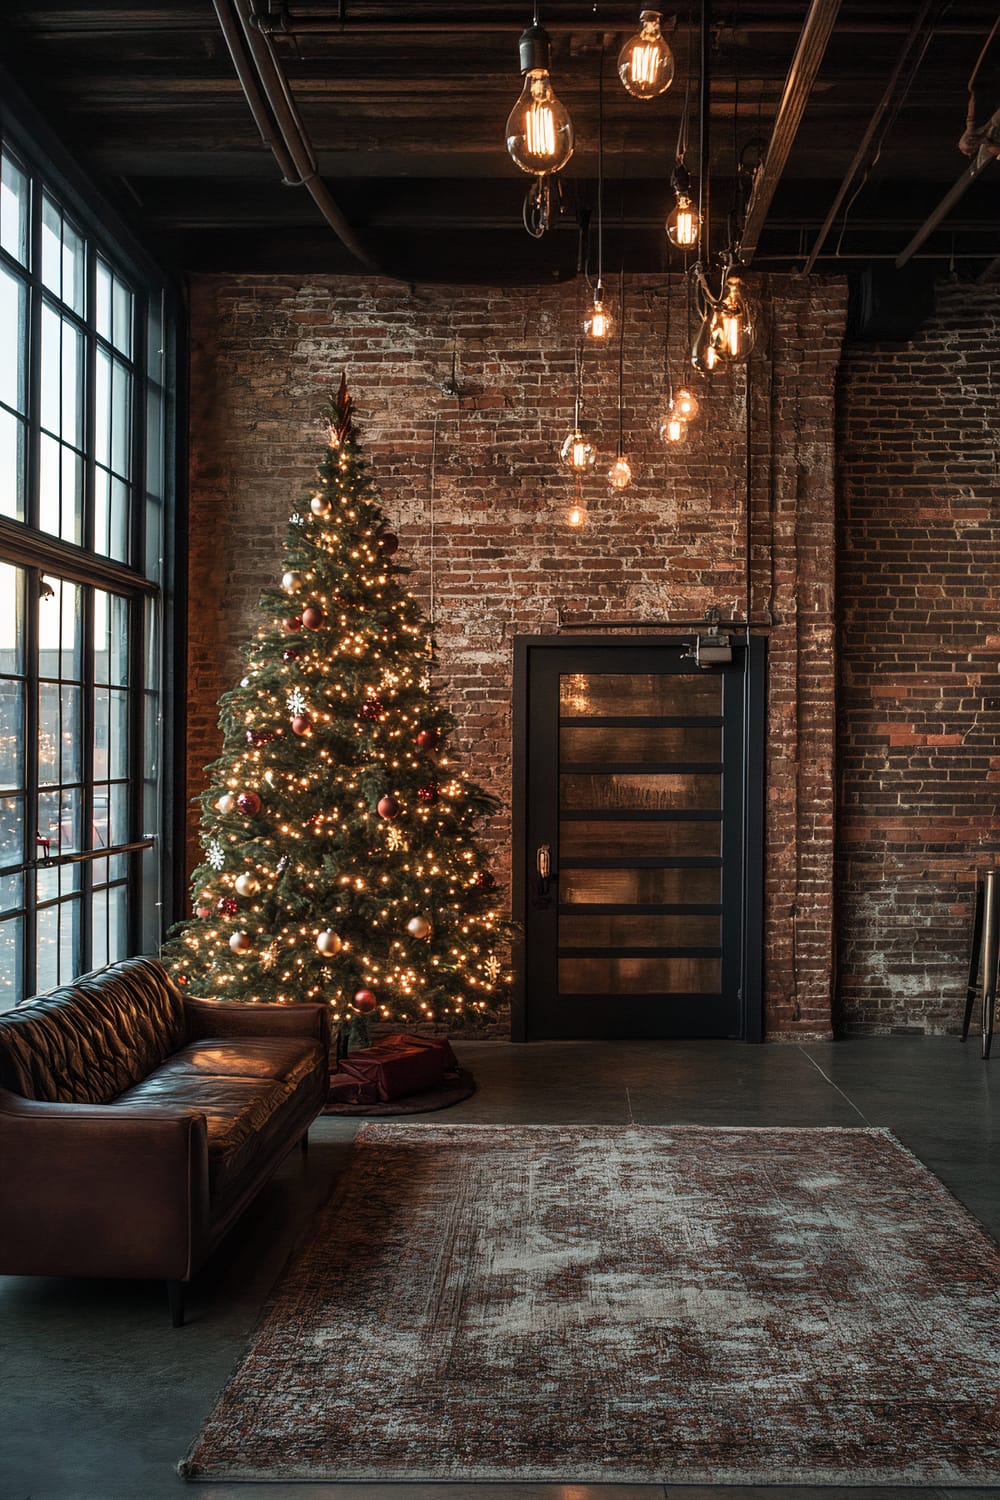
[(919, 578), (266, 352)]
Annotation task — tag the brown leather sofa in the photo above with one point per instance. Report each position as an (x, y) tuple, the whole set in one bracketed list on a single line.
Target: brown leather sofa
[(137, 1124)]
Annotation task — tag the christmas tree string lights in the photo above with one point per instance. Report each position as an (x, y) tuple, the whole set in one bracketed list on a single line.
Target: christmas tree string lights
[(341, 862)]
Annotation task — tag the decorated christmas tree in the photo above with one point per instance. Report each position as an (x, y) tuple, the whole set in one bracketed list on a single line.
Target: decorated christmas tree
[(341, 863)]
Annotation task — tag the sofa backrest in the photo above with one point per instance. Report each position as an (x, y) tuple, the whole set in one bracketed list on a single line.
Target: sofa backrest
[(88, 1041)]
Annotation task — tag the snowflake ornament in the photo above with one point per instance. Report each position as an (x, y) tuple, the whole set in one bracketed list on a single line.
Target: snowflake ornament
[(390, 679), (269, 956), (492, 968), (394, 837), (297, 703), (425, 682), (216, 855)]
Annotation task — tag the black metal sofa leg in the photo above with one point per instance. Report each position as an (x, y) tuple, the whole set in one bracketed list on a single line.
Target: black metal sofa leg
[(175, 1297)]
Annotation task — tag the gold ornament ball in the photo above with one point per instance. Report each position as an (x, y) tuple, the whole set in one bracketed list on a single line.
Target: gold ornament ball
[(241, 942), (290, 582), (319, 505), (418, 927), (226, 803), (329, 942), (247, 885)]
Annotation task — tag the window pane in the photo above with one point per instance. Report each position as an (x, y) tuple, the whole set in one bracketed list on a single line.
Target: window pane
[(14, 210), (11, 465), (116, 752), (60, 490), (63, 256), (73, 266), (629, 887), (11, 618), (11, 892), (60, 631), (111, 515), (11, 830), (13, 332), (611, 839), (665, 792), (58, 944), (639, 976), (102, 828), (634, 694), (121, 421), (62, 377), (110, 931), (122, 335), (102, 310), (118, 830), (102, 408), (11, 735), (11, 962), (51, 246)]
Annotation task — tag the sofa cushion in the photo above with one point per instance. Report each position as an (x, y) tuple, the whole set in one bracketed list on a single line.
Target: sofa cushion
[(289, 1059), (90, 1041), (244, 1117)]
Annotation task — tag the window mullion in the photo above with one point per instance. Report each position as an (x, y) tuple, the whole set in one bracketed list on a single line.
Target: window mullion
[(33, 436), (89, 403), (31, 830)]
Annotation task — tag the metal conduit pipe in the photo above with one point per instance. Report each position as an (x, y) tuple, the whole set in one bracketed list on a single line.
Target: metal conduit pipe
[(278, 121)]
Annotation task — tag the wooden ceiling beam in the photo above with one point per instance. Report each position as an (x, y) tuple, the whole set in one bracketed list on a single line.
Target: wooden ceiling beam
[(816, 30)]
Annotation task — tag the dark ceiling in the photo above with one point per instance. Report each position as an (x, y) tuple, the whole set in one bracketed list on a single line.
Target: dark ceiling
[(404, 106)]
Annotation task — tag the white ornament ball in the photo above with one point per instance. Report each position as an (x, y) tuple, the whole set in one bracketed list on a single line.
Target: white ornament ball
[(290, 582), (247, 885), (319, 505), (418, 927), (329, 942), (226, 803), (241, 942)]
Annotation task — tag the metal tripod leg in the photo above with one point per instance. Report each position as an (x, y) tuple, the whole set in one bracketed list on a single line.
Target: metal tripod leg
[(975, 957)]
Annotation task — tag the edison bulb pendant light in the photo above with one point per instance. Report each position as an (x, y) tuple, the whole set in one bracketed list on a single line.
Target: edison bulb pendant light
[(704, 356), (539, 129), (646, 63), (576, 516), (735, 324), (673, 429), (683, 224), (599, 324), (685, 405), (578, 452), (620, 473)]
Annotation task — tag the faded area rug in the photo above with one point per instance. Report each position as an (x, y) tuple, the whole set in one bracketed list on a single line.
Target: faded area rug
[(668, 1305)]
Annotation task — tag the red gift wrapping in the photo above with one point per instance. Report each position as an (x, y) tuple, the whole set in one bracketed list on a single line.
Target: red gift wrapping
[(399, 1065), (347, 1090)]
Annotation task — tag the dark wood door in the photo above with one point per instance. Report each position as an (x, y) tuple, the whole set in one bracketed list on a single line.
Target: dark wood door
[(638, 863)]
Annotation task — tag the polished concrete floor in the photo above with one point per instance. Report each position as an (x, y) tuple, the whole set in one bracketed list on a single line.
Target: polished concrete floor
[(101, 1397)]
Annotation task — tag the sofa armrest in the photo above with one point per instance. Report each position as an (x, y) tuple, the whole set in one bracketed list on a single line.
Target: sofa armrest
[(101, 1190), (211, 1018)]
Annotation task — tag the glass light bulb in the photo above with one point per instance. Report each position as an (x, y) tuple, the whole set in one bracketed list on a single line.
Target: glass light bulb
[(673, 429), (576, 515), (600, 323), (539, 130), (685, 404), (683, 223), (704, 355), (577, 452), (646, 63), (620, 473), (735, 324)]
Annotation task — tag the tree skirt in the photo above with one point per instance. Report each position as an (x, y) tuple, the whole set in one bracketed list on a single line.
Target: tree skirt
[(659, 1305), (452, 1089)]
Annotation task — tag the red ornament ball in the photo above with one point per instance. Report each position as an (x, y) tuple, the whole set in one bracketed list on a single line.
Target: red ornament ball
[(290, 655), (389, 543), (258, 737), (203, 911), (180, 978), (428, 739), (249, 804), (291, 623), (429, 793), (372, 709), (388, 807), (365, 1002), (312, 617), (228, 906), (301, 724), (485, 881)]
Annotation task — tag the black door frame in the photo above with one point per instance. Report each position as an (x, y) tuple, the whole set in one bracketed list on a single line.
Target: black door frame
[(754, 763)]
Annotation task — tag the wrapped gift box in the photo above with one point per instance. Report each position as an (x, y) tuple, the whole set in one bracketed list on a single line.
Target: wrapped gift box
[(398, 1065)]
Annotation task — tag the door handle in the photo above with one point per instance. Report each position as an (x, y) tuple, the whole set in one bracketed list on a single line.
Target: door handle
[(543, 864)]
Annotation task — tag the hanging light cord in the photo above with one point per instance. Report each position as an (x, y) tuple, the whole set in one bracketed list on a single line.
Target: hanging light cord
[(600, 168), (971, 141), (621, 356), (666, 353)]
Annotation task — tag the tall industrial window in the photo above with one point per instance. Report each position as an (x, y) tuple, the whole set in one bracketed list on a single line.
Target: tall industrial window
[(84, 402)]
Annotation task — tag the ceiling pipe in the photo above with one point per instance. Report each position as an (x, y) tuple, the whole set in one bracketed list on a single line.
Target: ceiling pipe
[(988, 151), (803, 69), (270, 102), (704, 140), (919, 23)]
